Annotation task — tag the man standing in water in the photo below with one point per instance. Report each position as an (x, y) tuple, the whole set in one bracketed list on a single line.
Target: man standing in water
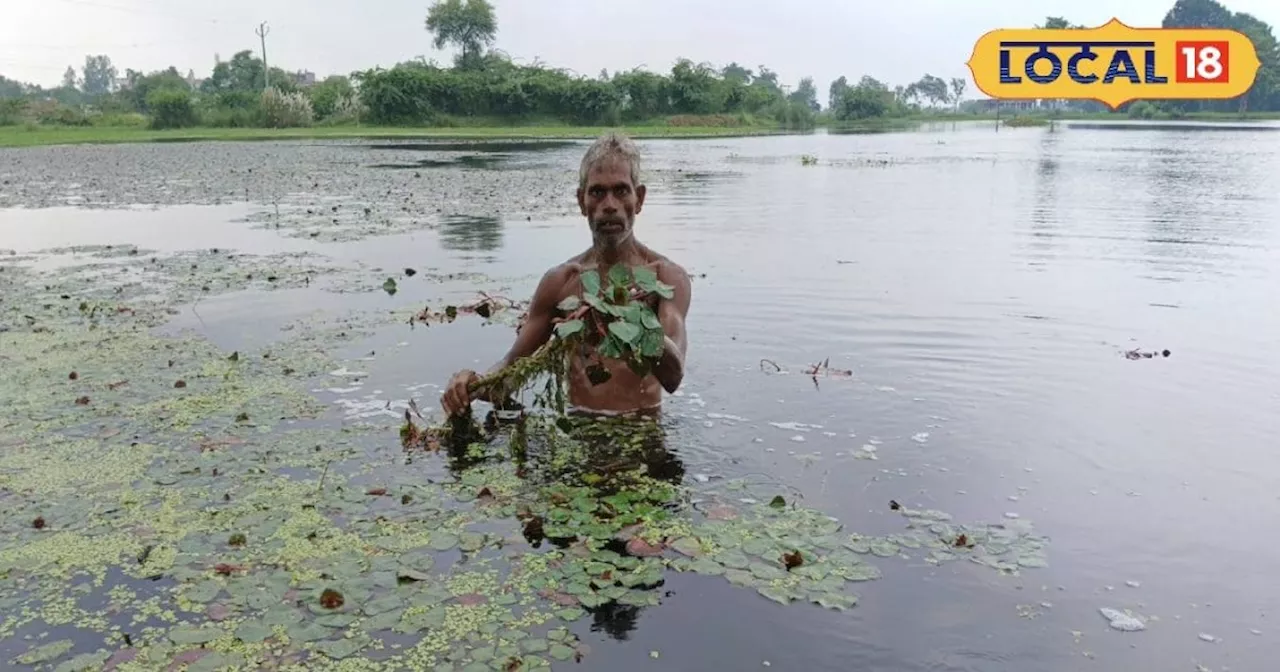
[(610, 195)]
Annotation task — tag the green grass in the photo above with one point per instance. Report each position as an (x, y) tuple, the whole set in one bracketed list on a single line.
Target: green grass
[(33, 136), (22, 136)]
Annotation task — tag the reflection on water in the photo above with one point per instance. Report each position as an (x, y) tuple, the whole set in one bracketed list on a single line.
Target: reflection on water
[(471, 234)]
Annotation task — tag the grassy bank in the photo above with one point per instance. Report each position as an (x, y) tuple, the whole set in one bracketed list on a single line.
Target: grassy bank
[(22, 136), (34, 136)]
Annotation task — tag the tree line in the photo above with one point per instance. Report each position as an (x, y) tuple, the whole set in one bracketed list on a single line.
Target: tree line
[(483, 85)]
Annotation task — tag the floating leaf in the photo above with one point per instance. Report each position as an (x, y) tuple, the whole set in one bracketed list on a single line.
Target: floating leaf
[(443, 541), (47, 652), (194, 635), (778, 502), (837, 601), (560, 651), (534, 645), (342, 648), (85, 662), (308, 632), (389, 286), (570, 614), (251, 632), (774, 593)]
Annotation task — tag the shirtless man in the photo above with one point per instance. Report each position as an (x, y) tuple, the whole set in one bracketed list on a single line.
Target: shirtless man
[(610, 195)]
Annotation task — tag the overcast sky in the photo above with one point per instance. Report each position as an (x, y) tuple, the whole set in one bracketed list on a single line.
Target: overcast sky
[(895, 41)]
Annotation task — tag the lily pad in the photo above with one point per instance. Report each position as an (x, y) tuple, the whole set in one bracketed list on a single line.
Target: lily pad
[(194, 635), (253, 632), (308, 632), (85, 662), (561, 652), (46, 652), (443, 541), (342, 648)]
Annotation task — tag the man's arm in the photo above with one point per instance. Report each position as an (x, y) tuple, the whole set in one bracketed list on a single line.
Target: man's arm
[(672, 313), (537, 328)]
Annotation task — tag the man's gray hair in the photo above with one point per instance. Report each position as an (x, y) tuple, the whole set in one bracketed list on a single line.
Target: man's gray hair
[(608, 147)]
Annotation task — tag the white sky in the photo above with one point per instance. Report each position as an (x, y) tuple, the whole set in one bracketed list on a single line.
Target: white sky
[(896, 42)]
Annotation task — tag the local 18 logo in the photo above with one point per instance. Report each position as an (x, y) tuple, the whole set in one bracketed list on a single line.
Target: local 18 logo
[(1114, 63)]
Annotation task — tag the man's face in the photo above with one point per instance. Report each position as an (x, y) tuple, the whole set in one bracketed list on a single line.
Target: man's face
[(610, 202)]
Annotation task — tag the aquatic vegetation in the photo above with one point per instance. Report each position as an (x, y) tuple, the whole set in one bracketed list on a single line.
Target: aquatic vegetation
[(170, 504)]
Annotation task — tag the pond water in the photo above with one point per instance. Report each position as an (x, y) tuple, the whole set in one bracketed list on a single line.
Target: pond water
[(983, 287)]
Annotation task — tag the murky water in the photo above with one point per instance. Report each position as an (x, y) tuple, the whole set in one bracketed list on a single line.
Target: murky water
[(983, 287)]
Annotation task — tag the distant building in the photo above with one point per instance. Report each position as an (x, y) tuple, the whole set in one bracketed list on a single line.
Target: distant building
[(304, 78)]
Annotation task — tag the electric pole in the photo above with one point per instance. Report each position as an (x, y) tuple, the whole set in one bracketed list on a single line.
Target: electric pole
[(262, 31)]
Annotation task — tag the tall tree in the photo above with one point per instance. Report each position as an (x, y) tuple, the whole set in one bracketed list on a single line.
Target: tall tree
[(99, 75), (1197, 14), (468, 24), (736, 73), (836, 91), (958, 85), (69, 78), (806, 94), (934, 89)]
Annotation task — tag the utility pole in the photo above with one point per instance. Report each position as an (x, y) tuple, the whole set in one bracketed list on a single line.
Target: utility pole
[(262, 31)]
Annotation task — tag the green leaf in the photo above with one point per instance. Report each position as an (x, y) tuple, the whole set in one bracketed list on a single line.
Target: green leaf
[(665, 291), (570, 304), (778, 502), (598, 304), (534, 645), (571, 614), (383, 604), (389, 286), (778, 595), (204, 591), (194, 635), (46, 653), (85, 662), (443, 541), (336, 620), (252, 633), (625, 331), (612, 347), (653, 343), (649, 319), (472, 541), (591, 282), (646, 278), (567, 329), (837, 601), (309, 632), (342, 648), (733, 559), (619, 276), (592, 600), (383, 621), (560, 651)]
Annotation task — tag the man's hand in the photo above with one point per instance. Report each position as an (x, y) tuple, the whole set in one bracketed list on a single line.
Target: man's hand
[(456, 400)]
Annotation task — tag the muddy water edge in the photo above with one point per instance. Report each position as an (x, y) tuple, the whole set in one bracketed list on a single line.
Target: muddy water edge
[(210, 349)]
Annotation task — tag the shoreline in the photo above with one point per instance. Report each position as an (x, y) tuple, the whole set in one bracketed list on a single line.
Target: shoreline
[(23, 136)]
